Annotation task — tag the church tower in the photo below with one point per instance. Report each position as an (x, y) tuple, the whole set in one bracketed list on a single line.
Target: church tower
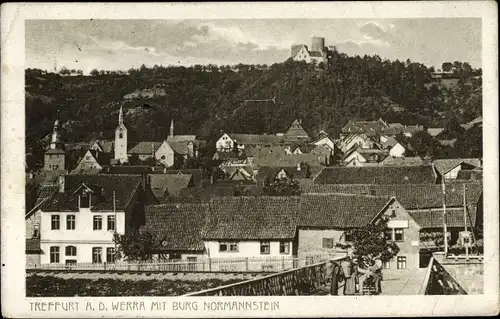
[(55, 156), (121, 140)]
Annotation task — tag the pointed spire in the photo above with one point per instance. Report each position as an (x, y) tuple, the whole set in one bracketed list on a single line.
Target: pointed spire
[(172, 127), (120, 116)]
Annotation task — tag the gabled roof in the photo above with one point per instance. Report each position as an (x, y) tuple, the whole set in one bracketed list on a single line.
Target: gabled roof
[(196, 173), (169, 184), (390, 142), (403, 161), (177, 226), (145, 147), (247, 218), (107, 146), (367, 127), (411, 196), (340, 210), (434, 218), (377, 175), (443, 166), (100, 157), (180, 147), (282, 159), (270, 172), (124, 187), (434, 131), (366, 153), (296, 48)]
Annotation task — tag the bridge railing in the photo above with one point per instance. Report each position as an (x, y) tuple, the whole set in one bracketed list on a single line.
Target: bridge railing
[(300, 281)]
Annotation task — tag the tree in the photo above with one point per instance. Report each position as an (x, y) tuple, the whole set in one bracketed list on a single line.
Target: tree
[(447, 66), (135, 246), (94, 72), (282, 187), (370, 239), (134, 159), (424, 145)]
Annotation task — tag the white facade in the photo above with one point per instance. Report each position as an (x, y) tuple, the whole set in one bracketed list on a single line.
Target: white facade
[(165, 154), (354, 159), (88, 162), (248, 248), (452, 174), (397, 151), (84, 237), (224, 143), (303, 55)]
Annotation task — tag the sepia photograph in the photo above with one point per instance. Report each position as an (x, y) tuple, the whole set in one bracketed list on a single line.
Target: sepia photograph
[(249, 157)]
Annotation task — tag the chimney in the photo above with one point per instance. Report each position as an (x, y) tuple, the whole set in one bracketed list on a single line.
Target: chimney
[(61, 181)]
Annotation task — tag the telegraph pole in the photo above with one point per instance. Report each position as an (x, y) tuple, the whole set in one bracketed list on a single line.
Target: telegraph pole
[(465, 226), (444, 219)]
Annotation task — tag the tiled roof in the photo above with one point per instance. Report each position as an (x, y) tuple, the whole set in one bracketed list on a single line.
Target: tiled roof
[(144, 147), (282, 159), (55, 151), (470, 174), (131, 169), (90, 171), (180, 147), (443, 166), (270, 172), (225, 155), (411, 196), (390, 142), (296, 130), (177, 225), (275, 217), (107, 146), (100, 157), (296, 48), (403, 161), (434, 218), (124, 187), (33, 245), (339, 210), (367, 153), (181, 138), (377, 175), (257, 139), (171, 183), (205, 194), (247, 218), (368, 127), (196, 173)]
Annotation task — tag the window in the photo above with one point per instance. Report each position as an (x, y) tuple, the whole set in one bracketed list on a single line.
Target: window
[(70, 261), (265, 248), (70, 251), (401, 262), (347, 236), (36, 230), (328, 243), (399, 234), (87, 158), (70, 222), (386, 265), (96, 255), (120, 135), (97, 222), (55, 222), (229, 247), (54, 254), (388, 234), (111, 222), (285, 247), (110, 255)]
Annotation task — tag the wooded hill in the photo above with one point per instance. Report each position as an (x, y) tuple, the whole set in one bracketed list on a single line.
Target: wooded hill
[(207, 100)]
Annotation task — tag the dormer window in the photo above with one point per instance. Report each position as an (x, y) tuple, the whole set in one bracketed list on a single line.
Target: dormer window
[(84, 200)]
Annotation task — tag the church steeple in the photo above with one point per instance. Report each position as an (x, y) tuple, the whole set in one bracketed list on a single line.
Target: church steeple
[(120, 116), (55, 141), (172, 127), (121, 139)]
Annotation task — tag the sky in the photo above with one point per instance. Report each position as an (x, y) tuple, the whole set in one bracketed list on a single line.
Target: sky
[(125, 44)]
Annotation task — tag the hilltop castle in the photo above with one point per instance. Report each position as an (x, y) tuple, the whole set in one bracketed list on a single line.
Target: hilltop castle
[(317, 53)]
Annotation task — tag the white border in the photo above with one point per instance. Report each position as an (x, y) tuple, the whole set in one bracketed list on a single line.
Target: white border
[(14, 303)]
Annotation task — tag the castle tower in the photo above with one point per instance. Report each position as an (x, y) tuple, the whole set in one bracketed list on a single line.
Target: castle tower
[(55, 156), (172, 127), (121, 140), (318, 44)]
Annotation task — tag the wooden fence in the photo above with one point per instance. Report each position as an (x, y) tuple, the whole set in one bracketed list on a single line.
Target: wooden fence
[(238, 264)]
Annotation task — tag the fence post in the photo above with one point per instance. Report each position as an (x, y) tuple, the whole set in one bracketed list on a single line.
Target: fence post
[(246, 263), (282, 263), (209, 264)]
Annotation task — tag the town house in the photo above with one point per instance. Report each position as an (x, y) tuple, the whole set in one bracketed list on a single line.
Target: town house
[(77, 223)]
